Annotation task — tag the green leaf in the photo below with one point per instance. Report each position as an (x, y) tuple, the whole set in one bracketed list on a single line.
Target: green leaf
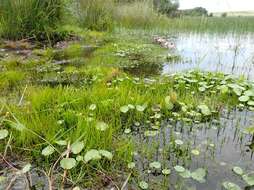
[(131, 165), (61, 142), (106, 154), (26, 168), (3, 134), (48, 151), (151, 133), (79, 158), (168, 103), (166, 171), (186, 174), (155, 165), (124, 109), (127, 131), (77, 147), (249, 179), (179, 169), (244, 98), (199, 175), (238, 170), (101, 126), (249, 130), (204, 110), (251, 103), (143, 185), (92, 155), (68, 163), (230, 186), (195, 152), (179, 142), (92, 107), (141, 108)]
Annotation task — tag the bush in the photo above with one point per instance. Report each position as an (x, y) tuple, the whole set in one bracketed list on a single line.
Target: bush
[(29, 18), (95, 14)]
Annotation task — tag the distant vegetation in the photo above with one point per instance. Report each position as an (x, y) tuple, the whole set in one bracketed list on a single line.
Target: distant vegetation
[(39, 20)]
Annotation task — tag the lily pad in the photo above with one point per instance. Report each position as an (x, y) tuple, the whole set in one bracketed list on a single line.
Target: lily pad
[(127, 131), (168, 103), (101, 126), (68, 163), (141, 108), (151, 133), (48, 151), (244, 98), (155, 165), (199, 175), (106, 154), (124, 109), (77, 147), (230, 186), (131, 165), (179, 169), (166, 171), (238, 170), (143, 185), (26, 168), (249, 179), (92, 107), (179, 142), (204, 110), (92, 155), (195, 152), (3, 134)]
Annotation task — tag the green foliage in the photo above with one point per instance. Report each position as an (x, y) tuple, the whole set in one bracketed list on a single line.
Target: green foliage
[(95, 14), (29, 18)]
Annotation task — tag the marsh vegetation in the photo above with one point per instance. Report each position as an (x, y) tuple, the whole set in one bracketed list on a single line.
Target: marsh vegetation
[(90, 100)]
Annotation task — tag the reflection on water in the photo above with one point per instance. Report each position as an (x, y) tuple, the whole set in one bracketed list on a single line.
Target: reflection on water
[(231, 54), (221, 143)]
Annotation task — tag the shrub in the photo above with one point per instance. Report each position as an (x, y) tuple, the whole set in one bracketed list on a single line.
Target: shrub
[(29, 18)]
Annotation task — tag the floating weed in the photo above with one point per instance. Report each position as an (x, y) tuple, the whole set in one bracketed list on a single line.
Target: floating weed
[(47, 151), (77, 147), (249, 179), (195, 152), (155, 165), (68, 163), (143, 185), (230, 186), (238, 170), (131, 165), (166, 171), (3, 134), (101, 126)]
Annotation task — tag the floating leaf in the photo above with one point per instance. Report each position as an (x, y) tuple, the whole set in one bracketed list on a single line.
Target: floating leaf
[(186, 174), (195, 152), (199, 175), (101, 126), (179, 169), (48, 151), (26, 168), (124, 109), (141, 108), (151, 133), (143, 185), (238, 170), (131, 106), (92, 107), (92, 155), (166, 171), (251, 103), (3, 134), (230, 186), (79, 158), (131, 165), (168, 103), (249, 179), (68, 163), (77, 147), (244, 98), (179, 142), (204, 110), (127, 131), (155, 165), (61, 142), (106, 154)]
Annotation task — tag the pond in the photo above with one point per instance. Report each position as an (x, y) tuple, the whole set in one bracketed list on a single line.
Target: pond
[(228, 53)]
